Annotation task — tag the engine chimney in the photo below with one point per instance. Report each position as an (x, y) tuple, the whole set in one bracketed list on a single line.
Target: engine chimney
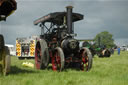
[(69, 19)]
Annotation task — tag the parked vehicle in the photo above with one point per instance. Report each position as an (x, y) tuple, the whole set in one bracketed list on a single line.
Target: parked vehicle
[(99, 50), (11, 49), (25, 47), (57, 44), (123, 48)]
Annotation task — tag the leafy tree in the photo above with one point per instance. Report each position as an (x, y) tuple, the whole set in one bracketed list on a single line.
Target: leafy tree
[(104, 38)]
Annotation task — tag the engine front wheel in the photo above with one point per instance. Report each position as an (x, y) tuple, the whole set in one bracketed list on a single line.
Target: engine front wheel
[(86, 63), (58, 60)]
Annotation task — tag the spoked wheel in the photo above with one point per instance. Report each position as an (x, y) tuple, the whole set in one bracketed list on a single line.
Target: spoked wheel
[(107, 53), (41, 55), (86, 63), (58, 60)]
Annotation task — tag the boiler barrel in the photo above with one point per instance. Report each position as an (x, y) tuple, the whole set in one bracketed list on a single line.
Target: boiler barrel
[(70, 45)]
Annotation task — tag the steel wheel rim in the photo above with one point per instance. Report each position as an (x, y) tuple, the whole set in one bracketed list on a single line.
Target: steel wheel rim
[(56, 61), (38, 56), (85, 61)]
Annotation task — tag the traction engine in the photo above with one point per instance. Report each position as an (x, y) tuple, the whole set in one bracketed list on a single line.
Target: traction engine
[(57, 44)]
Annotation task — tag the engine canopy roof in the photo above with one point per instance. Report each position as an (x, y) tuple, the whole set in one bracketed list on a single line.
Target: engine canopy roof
[(58, 18)]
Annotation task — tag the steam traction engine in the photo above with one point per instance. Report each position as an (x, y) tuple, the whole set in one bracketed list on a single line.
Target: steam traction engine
[(57, 44), (7, 7), (100, 50)]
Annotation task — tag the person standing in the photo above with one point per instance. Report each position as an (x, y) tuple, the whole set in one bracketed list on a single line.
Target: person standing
[(118, 50)]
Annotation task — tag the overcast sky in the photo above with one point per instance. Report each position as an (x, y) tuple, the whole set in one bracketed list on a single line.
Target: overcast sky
[(99, 15)]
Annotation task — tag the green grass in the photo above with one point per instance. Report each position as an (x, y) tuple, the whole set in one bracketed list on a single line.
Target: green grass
[(105, 71)]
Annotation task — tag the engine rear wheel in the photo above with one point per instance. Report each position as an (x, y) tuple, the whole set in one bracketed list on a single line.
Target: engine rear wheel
[(86, 59), (41, 55), (58, 59), (107, 53)]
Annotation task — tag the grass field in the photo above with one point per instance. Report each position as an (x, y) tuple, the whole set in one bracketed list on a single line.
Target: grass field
[(105, 71)]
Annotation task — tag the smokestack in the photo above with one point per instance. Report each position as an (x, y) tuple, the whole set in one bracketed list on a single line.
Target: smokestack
[(99, 41), (69, 19)]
